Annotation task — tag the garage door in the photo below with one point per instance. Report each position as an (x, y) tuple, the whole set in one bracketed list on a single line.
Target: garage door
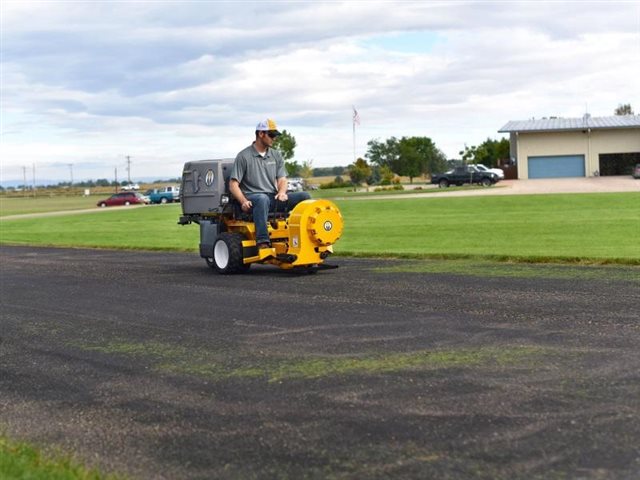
[(557, 166)]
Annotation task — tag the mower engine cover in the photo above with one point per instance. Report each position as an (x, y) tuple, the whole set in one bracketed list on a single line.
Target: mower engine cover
[(204, 182)]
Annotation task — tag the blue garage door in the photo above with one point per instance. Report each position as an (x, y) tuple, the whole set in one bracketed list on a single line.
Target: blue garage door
[(556, 167)]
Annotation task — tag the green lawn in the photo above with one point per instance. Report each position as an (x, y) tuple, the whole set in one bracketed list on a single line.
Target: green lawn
[(349, 192), (593, 228), (20, 461), (534, 227), (19, 206)]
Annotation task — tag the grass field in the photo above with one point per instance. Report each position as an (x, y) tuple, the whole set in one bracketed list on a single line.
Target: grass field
[(349, 192), (591, 228), (17, 205), (20, 461), (55, 200), (20, 206), (528, 227)]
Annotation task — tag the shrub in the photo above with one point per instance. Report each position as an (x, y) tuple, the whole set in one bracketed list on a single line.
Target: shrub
[(338, 182), (383, 189)]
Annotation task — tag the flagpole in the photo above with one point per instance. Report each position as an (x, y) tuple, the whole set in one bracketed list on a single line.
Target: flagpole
[(354, 140), (355, 119)]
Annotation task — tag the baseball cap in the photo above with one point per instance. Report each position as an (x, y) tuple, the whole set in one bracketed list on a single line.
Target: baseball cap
[(268, 125)]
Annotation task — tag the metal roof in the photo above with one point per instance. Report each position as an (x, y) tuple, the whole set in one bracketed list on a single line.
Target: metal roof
[(564, 124)]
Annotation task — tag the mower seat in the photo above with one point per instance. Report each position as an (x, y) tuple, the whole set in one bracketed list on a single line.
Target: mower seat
[(238, 214)]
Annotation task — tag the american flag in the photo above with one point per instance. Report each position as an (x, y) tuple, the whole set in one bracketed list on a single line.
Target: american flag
[(356, 116)]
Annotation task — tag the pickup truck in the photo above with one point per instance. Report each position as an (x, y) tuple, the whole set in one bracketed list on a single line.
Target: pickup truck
[(164, 195), (460, 175)]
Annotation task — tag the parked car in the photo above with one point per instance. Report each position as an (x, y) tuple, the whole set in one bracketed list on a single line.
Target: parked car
[(130, 187), (497, 171), (295, 185), (466, 174), (636, 171), (123, 198), (164, 195)]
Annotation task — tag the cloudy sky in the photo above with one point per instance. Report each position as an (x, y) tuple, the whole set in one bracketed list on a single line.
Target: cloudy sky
[(89, 82)]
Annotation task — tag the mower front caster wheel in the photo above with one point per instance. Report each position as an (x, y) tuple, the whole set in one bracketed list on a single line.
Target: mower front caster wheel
[(227, 254)]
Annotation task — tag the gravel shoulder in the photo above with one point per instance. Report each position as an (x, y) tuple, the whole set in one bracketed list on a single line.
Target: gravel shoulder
[(152, 365)]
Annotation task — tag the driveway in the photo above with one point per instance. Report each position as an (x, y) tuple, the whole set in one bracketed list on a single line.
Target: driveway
[(148, 363), (537, 186)]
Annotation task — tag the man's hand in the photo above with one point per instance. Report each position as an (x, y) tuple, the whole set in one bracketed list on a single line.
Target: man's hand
[(234, 188), (283, 197)]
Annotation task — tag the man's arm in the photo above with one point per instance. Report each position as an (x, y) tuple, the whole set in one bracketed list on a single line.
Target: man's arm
[(234, 188), (282, 189)]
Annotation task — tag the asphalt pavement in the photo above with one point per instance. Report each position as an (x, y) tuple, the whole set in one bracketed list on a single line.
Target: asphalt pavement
[(152, 365)]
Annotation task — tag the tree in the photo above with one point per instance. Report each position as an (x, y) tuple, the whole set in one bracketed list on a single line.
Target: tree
[(327, 171), (409, 156), (293, 168), (359, 171), (286, 143), (410, 162), (386, 153), (487, 153), (418, 156), (386, 175), (624, 109), (306, 170)]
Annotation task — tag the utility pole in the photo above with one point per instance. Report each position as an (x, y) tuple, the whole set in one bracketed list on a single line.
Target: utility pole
[(34, 180), (24, 181), (71, 173), (129, 169), (116, 179)]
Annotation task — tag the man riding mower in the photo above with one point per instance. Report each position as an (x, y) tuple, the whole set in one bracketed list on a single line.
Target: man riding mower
[(298, 240)]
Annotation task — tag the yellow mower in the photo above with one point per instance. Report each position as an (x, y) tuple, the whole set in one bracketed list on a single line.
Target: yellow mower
[(300, 240)]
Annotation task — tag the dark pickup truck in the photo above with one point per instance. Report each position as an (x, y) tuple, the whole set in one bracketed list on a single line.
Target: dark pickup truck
[(461, 175)]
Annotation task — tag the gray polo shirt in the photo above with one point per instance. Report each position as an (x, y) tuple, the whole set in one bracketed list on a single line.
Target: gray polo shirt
[(258, 174)]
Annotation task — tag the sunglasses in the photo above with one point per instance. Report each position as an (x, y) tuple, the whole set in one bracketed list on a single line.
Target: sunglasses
[(272, 134)]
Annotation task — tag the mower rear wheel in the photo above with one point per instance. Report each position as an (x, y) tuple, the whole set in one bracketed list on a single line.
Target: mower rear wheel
[(227, 254), (211, 264)]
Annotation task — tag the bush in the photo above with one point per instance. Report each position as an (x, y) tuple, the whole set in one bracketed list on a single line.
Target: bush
[(383, 189), (338, 182)]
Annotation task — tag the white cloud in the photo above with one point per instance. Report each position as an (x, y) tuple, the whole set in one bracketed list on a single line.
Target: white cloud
[(165, 82)]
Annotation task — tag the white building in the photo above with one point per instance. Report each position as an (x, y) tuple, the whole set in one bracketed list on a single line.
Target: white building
[(575, 147)]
